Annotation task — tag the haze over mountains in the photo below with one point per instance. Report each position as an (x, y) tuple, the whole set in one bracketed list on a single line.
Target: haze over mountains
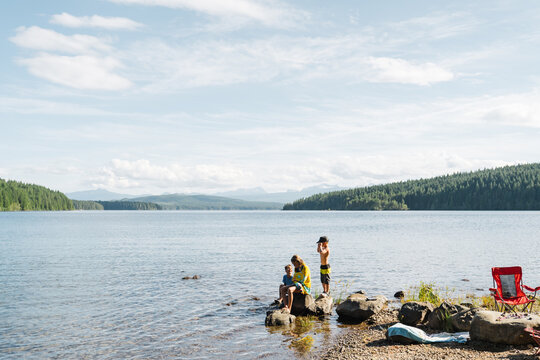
[(254, 194)]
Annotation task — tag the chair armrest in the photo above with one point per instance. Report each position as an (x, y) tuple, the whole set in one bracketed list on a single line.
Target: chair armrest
[(495, 293), (531, 289)]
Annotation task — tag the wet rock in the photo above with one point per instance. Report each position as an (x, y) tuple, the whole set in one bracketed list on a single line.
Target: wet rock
[(362, 292), (323, 305), (186, 278), (415, 312), (400, 294), (303, 304), (466, 280), (493, 327), (278, 318), (195, 277), (358, 307)]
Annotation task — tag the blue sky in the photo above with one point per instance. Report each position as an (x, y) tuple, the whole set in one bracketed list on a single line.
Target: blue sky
[(153, 96)]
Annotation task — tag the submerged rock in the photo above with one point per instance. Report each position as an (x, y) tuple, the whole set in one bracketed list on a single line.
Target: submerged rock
[(358, 307), (279, 318), (507, 328), (194, 277), (415, 312)]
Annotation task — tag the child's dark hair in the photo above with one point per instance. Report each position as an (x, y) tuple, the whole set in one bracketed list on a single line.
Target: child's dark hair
[(288, 266)]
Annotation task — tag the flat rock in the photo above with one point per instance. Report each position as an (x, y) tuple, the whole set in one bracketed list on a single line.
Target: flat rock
[(493, 327), (279, 318), (358, 307)]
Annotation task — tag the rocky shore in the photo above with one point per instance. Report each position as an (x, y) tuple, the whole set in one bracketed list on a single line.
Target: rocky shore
[(368, 341)]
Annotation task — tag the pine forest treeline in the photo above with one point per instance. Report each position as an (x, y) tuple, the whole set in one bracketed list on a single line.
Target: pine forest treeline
[(129, 205), (506, 188), (17, 196)]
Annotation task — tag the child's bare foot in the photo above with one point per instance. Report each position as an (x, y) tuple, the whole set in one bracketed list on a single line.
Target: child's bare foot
[(286, 310)]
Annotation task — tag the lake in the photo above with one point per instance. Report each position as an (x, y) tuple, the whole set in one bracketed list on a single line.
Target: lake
[(109, 284)]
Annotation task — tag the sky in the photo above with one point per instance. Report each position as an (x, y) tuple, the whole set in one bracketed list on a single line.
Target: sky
[(156, 96)]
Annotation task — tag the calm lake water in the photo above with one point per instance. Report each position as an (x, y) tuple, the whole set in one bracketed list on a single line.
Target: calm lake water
[(109, 284)]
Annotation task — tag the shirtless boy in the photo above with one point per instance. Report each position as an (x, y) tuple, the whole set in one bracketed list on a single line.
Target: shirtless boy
[(324, 252)]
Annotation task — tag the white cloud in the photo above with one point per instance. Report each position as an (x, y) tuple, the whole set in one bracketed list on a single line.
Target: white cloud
[(275, 59), (401, 71), (435, 26), (515, 110), (131, 174), (95, 21), (91, 69), (268, 12), (343, 170), (37, 38), (80, 72)]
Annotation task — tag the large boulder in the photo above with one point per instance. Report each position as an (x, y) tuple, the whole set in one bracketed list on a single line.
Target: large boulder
[(323, 305), (441, 317), (462, 320), (278, 318), (358, 307), (492, 326), (303, 304), (413, 313)]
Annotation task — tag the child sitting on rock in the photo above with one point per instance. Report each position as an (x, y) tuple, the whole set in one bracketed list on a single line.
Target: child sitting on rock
[(286, 282)]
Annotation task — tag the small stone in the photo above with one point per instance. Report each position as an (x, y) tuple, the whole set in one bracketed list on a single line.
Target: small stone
[(195, 277), (400, 294), (186, 278)]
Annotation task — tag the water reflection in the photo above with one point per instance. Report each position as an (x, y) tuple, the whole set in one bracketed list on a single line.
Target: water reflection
[(306, 334)]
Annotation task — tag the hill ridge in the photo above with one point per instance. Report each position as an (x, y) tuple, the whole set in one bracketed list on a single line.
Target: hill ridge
[(513, 187)]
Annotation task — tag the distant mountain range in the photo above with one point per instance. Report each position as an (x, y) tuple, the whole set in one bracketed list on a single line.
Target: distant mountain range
[(98, 194), (254, 194), (205, 202)]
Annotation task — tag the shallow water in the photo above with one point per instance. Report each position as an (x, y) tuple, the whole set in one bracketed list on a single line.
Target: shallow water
[(109, 284)]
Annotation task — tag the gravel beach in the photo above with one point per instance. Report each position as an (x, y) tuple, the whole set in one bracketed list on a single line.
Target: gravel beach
[(368, 341)]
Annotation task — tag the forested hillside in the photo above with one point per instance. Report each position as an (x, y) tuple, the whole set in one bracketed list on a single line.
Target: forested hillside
[(16, 196), (129, 205), (205, 202), (114, 205), (506, 188), (87, 205)]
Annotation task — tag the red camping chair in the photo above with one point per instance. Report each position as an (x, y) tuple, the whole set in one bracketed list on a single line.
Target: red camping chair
[(535, 334), (509, 287)]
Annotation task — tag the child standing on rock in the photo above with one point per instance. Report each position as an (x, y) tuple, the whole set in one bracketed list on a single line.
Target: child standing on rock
[(324, 252)]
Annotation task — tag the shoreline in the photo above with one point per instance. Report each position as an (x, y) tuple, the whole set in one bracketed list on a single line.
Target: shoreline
[(369, 342)]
